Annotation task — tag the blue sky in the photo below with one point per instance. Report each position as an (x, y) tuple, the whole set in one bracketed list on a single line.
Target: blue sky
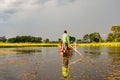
[(49, 18)]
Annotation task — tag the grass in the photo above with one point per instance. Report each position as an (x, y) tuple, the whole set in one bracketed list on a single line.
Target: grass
[(110, 44), (28, 44)]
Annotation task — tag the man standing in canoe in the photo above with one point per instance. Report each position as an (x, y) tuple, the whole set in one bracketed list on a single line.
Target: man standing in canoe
[(65, 40)]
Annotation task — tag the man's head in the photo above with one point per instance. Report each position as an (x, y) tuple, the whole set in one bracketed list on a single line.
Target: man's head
[(65, 31)]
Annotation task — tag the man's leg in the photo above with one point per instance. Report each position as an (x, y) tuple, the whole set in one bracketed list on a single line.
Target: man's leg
[(67, 48)]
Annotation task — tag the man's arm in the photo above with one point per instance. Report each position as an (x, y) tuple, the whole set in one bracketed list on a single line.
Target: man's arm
[(68, 39)]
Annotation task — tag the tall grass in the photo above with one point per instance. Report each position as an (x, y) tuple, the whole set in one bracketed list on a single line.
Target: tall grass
[(110, 44), (28, 44)]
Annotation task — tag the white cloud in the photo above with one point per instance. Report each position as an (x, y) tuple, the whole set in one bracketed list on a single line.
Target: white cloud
[(51, 3), (12, 8), (6, 4), (27, 5)]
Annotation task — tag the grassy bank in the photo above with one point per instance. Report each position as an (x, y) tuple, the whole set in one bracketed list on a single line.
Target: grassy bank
[(28, 44), (110, 44)]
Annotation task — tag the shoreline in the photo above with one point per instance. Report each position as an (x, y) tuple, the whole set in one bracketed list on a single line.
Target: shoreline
[(109, 44), (28, 45)]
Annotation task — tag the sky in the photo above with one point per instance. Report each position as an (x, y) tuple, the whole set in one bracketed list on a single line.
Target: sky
[(49, 18)]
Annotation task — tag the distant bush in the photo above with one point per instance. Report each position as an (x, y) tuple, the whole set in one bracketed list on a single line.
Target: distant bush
[(3, 39), (18, 39)]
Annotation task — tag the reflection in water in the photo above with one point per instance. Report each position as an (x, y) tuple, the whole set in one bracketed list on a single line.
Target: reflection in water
[(46, 65), (19, 50), (26, 51), (93, 52), (65, 71), (65, 65), (114, 53)]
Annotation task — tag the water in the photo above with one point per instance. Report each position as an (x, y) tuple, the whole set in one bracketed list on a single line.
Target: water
[(45, 63)]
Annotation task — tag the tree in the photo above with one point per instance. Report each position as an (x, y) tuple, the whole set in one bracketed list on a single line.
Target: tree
[(25, 39), (38, 39), (47, 40), (3, 39), (95, 37), (86, 38), (110, 37), (115, 29), (12, 40), (114, 35), (117, 37), (79, 40), (72, 39)]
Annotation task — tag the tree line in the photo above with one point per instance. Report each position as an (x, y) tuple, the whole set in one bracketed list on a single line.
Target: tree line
[(28, 39), (19, 39), (113, 36)]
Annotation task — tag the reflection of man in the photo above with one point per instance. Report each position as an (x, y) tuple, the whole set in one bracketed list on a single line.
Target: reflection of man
[(66, 67), (65, 71)]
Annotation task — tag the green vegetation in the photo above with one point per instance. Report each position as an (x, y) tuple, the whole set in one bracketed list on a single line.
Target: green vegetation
[(29, 44), (3, 39), (109, 44), (24, 39), (113, 36), (92, 39)]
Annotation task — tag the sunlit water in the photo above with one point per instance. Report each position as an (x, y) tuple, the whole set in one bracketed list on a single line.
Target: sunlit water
[(45, 63)]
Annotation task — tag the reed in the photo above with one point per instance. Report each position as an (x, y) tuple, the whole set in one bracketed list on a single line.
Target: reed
[(28, 44), (109, 44)]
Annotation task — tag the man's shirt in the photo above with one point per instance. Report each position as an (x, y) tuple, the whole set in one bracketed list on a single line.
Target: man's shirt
[(65, 38)]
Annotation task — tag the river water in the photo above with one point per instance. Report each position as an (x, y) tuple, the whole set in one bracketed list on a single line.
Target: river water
[(45, 63)]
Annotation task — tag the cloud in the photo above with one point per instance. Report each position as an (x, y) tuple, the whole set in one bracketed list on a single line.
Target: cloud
[(46, 17), (35, 16), (64, 2), (10, 8)]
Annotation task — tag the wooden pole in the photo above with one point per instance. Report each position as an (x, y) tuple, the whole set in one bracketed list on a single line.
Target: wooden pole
[(76, 50)]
